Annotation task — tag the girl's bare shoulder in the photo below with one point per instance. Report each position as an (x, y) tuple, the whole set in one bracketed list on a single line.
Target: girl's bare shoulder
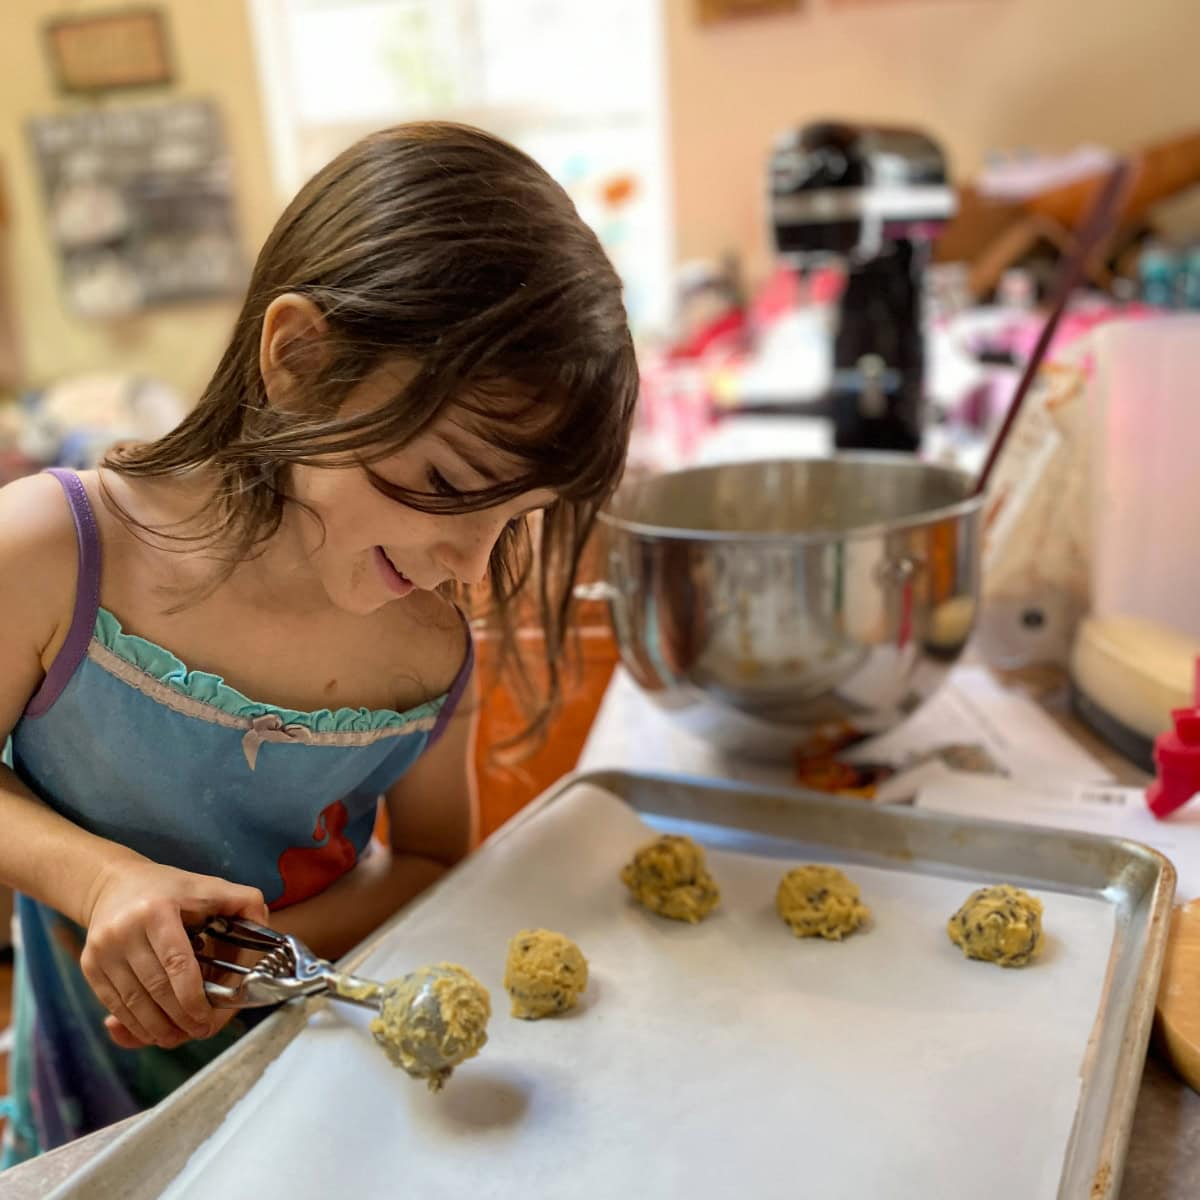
[(37, 531), (38, 553)]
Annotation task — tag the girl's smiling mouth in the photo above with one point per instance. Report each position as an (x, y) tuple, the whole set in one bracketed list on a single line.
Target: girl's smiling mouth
[(396, 581)]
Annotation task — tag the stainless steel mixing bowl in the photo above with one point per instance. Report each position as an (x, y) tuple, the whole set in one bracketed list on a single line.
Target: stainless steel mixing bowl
[(785, 608)]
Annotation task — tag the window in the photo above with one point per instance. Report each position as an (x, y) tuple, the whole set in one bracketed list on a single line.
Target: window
[(577, 84)]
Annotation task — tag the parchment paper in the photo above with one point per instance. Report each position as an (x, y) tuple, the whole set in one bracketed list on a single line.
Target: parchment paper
[(728, 1059)]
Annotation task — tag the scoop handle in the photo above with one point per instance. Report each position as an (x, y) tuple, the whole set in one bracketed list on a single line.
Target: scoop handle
[(366, 993)]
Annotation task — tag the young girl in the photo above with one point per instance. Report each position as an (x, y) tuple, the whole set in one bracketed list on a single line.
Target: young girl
[(220, 650)]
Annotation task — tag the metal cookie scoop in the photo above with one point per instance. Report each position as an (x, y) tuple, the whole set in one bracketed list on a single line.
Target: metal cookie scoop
[(429, 1021)]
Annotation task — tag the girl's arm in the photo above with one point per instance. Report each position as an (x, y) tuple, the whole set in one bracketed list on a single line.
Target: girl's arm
[(137, 958), (433, 820), (40, 853)]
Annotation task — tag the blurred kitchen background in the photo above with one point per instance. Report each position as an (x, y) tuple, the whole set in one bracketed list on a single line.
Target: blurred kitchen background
[(146, 151)]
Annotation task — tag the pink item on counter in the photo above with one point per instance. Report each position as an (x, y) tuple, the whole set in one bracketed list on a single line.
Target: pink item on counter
[(720, 338), (675, 411), (1023, 334), (786, 290), (778, 296)]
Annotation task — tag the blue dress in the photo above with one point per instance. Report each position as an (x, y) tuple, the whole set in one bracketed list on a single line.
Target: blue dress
[(125, 741)]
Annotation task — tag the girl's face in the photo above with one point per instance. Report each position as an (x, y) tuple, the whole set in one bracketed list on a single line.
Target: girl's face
[(373, 550)]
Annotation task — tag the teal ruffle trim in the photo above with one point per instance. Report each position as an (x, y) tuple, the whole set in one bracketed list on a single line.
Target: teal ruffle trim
[(209, 689)]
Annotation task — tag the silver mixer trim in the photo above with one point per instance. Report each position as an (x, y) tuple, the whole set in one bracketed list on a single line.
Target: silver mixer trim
[(821, 206)]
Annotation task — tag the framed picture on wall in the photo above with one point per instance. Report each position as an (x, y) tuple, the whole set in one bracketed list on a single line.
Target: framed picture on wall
[(105, 50), (709, 12), (140, 205)]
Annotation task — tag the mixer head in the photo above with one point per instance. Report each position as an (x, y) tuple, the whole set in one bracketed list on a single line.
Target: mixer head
[(849, 190)]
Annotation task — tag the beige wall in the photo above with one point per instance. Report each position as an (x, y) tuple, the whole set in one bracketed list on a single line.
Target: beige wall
[(214, 57), (978, 74)]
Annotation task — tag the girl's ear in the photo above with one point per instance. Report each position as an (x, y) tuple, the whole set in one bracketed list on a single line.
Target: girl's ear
[(292, 347)]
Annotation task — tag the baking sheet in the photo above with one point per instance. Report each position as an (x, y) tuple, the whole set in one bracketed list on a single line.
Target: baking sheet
[(1101, 808), (724, 1059)]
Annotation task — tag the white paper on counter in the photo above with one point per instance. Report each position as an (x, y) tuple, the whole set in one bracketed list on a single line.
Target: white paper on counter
[(1111, 811), (631, 732), (973, 708), (726, 1059)]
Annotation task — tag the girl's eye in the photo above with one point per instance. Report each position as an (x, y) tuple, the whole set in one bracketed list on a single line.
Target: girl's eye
[(441, 484)]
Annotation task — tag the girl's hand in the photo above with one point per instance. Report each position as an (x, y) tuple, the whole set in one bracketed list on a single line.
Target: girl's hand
[(220, 1017), (139, 959)]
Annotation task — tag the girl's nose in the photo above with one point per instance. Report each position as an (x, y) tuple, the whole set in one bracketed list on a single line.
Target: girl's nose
[(468, 553)]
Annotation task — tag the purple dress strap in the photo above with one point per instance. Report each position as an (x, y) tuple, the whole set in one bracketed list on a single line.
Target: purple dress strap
[(455, 694), (87, 596)]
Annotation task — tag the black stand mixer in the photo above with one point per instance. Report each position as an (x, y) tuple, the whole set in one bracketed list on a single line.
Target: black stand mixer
[(874, 198)]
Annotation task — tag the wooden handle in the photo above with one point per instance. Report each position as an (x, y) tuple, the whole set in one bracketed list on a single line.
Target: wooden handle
[(1096, 229), (1179, 995)]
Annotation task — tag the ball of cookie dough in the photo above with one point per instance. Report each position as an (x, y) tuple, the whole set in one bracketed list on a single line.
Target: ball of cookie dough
[(820, 901), (545, 973), (432, 1020), (669, 876), (999, 924)]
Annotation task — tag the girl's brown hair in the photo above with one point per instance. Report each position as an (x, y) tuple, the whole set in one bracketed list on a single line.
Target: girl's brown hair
[(446, 247)]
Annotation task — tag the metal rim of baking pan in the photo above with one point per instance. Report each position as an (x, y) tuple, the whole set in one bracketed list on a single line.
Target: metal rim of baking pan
[(1138, 881)]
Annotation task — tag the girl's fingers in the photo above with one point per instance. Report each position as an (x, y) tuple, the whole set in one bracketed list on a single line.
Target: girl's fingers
[(121, 1035), (171, 966), (108, 994), (137, 1010), (243, 902)]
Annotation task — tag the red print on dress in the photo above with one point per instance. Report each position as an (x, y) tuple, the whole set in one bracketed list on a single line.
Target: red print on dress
[(306, 871)]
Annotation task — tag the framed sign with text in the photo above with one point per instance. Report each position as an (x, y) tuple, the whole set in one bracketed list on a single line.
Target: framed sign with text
[(100, 51), (709, 12)]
